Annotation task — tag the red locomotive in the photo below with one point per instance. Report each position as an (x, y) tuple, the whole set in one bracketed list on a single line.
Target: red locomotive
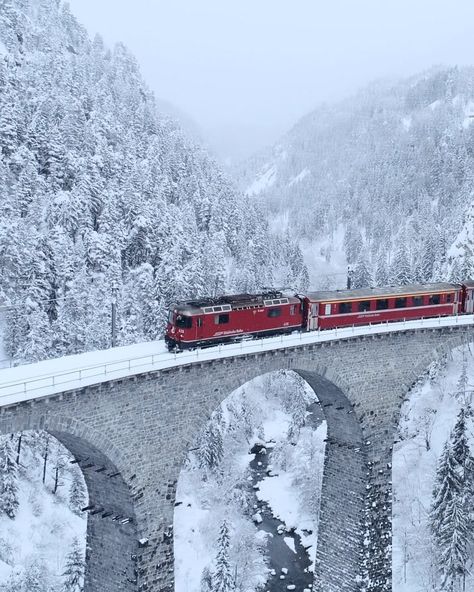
[(209, 321)]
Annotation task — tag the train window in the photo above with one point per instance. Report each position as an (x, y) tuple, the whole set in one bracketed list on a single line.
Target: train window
[(327, 309), (364, 305), (221, 319), (435, 299), (184, 322), (170, 317), (449, 298), (381, 304), (400, 302), (272, 313), (345, 307), (417, 300), (292, 309)]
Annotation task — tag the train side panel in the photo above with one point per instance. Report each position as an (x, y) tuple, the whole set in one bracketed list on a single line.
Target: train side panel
[(468, 297), (380, 310)]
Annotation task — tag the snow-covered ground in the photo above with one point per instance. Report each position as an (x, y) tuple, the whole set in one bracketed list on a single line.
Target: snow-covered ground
[(427, 419), (271, 411), (264, 181)]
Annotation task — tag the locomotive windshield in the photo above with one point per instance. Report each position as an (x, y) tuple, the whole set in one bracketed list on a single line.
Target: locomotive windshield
[(170, 317), (184, 322)]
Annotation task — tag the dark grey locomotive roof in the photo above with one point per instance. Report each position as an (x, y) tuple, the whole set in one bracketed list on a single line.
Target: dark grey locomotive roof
[(234, 301), (469, 283), (386, 291)]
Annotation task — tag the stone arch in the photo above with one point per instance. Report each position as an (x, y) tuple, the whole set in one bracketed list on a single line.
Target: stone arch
[(339, 555), (111, 538)]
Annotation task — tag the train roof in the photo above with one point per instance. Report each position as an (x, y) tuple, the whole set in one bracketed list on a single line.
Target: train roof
[(234, 301), (469, 283), (384, 292)]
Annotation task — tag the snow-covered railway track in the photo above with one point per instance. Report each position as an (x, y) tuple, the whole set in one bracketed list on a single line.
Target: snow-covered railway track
[(50, 377)]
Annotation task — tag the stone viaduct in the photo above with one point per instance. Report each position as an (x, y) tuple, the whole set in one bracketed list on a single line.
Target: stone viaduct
[(131, 436)]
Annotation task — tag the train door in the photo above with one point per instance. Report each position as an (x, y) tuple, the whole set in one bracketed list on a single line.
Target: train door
[(469, 308), (313, 313)]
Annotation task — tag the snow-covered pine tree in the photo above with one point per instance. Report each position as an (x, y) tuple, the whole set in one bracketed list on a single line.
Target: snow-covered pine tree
[(211, 449), (381, 269), (450, 517), (74, 571), (8, 478), (400, 271), (447, 486), (35, 578), (453, 544), (361, 276), (222, 580), (77, 493), (426, 262), (462, 383)]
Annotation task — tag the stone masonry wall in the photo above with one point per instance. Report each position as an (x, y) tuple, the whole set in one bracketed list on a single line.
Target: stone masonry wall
[(141, 428)]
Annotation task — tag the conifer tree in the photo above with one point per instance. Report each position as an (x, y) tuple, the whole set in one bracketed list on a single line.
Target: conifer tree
[(361, 277), (211, 448), (453, 542), (461, 386), (450, 517), (222, 580), (381, 270), (74, 570), (400, 271), (77, 493), (8, 478)]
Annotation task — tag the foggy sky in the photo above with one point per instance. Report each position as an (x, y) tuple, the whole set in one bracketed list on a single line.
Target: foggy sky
[(246, 70)]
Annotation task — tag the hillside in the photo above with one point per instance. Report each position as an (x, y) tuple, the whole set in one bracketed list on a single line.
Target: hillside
[(103, 197), (391, 166)]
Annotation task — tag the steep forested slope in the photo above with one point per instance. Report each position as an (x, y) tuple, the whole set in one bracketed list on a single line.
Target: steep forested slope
[(102, 196), (391, 170)]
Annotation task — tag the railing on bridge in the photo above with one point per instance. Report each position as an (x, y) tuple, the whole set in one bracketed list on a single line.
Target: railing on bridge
[(49, 383)]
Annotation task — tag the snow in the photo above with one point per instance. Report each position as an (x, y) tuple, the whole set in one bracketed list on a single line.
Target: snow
[(33, 381), (304, 173), (264, 181), (406, 122), (468, 114), (3, 49), (291, 543), (435, 104), (326, 260)]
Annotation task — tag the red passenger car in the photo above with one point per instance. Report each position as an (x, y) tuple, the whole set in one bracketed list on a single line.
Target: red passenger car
[(342, 308), (468, 297), (229, 318)]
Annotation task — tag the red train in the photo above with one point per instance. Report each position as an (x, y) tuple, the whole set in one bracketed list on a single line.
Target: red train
[(209, 321)]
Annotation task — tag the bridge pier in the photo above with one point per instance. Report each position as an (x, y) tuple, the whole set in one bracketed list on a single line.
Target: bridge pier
[(339, 555)]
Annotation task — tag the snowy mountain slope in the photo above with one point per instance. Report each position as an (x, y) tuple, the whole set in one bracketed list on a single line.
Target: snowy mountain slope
[(394, 163), (103, 198)]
